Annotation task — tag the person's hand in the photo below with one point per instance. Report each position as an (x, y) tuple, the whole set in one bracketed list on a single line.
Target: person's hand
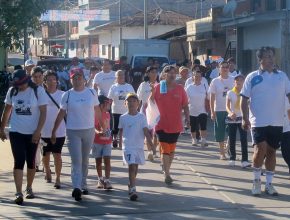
[(36, 137), (233, 116), (53, 138), (187, 122), (3, 136), (213, 116), (246, 125)]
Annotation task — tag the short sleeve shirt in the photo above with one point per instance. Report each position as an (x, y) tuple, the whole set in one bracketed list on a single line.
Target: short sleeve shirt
[(266, 92), (25, 109), (79, 106), (100, 138), (104, 82), (196, 96), (170, 106), (220, 87), (133, 133)]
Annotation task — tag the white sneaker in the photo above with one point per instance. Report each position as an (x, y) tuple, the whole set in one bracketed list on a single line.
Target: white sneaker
[(232, 163), (150, 156), (245, 164), (204, 143), (194, 142), (270, 190), (256, 189)]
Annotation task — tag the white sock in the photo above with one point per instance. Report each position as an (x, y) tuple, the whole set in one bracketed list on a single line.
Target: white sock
[(257, 173), (269, 177)]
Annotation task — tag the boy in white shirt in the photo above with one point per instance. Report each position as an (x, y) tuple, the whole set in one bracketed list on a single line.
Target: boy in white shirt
[(133, 128)]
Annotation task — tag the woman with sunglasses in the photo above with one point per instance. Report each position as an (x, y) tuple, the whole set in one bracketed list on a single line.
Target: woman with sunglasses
[(25, 104)]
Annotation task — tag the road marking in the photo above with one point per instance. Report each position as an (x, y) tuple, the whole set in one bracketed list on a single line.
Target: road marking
[(206, 181)]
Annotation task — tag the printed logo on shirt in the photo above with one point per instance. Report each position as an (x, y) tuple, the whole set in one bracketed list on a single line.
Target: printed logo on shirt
[(122, 95), (21, 108), (256, 80)]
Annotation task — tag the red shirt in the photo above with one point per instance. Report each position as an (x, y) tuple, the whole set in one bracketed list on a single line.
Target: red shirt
[(170, 107), (99, 138)]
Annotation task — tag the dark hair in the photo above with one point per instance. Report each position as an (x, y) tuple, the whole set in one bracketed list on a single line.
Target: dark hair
[(196, 61), (36, 69), (231, 60), (106, 60), (223, 62), (94, 68), (150, 68), (168, 68), (18, 67), (49, 73), (260, 52), (15, 89)]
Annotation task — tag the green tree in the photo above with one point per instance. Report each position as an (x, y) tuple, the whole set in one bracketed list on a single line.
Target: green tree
[(16, 16)]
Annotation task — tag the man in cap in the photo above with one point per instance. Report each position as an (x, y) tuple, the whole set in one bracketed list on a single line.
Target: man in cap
[(29, 64)]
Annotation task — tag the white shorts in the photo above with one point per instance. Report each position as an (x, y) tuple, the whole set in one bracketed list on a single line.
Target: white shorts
[(134, 157), (101, 150)]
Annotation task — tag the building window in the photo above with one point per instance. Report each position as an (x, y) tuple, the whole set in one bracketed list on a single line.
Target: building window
[(103, 49), (256, 5), (271, 5), (283, 4)]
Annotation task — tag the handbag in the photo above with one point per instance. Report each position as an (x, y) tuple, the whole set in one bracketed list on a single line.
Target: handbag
[(152, 114)]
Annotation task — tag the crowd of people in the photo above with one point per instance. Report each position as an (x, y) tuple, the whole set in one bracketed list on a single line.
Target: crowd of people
[(105, 108)]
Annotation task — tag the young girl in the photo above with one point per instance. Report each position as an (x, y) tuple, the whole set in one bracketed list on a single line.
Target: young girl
[(133, 127), (102, 144)]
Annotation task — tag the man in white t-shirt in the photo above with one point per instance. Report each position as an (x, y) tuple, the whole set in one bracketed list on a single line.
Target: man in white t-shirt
[(233, 71), (104, 79), (264, 93)]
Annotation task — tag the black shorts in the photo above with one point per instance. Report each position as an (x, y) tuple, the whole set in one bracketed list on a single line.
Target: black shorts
[(198, 122), (53, 148), (169, 138), (271, 134), (116, 118)]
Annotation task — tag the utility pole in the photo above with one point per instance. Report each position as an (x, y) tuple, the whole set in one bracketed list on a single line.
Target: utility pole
[(120, 29), (145, 19), (66, 32)]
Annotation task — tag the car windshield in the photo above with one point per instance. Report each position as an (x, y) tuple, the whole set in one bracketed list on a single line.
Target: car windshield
[(142, 61)]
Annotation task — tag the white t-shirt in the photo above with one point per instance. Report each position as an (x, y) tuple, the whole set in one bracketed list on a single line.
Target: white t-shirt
[(51, 114), (118, 93), (133, 133), (214, 73), (286, 126), (25, 109), (220, 87), (196, 97), (235, 73), (144, 92), (190, 81), (104, 82), (233, 99), (80, 108), (266, 92)]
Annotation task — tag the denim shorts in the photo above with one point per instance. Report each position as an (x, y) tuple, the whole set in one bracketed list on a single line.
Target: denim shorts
[(101, 150)]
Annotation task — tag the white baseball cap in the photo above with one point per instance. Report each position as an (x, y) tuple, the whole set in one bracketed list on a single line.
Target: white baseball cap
[(29, 63)]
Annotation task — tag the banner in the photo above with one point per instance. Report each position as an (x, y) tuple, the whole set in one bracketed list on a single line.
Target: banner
[(76, 15)]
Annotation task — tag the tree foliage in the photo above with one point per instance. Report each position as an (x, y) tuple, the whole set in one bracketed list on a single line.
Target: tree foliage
[(17, 15)]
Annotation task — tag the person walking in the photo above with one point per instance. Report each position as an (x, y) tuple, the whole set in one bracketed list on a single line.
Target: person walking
[(263, 96), (218, 90), (171, 100), (54, 98), (197, 97), (25, 104), (285, 142), (80, 104), (234, 123), (117, 94), (133, 129)]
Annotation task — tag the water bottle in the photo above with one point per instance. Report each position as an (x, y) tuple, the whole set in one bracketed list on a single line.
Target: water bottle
[(163, 87)]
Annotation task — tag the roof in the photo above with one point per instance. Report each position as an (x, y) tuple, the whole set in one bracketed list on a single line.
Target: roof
[(155, 17)]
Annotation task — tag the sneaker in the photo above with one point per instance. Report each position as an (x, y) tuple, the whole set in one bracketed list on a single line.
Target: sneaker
[(100, 184), (19, 198), (107, 185), (232, 163), (150, 156), (133, 194), (270, 190), (168, 180), (77, 194), (85, 192), (194, 142), (204, 143), (162, 168), (245, 164), (115, 143), (256, 189), (29, 193)]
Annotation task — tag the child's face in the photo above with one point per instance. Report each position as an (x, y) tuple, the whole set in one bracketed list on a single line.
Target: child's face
[(132, 104)]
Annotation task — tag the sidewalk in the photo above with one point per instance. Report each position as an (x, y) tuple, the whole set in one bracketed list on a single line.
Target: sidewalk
[(204, 188)]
